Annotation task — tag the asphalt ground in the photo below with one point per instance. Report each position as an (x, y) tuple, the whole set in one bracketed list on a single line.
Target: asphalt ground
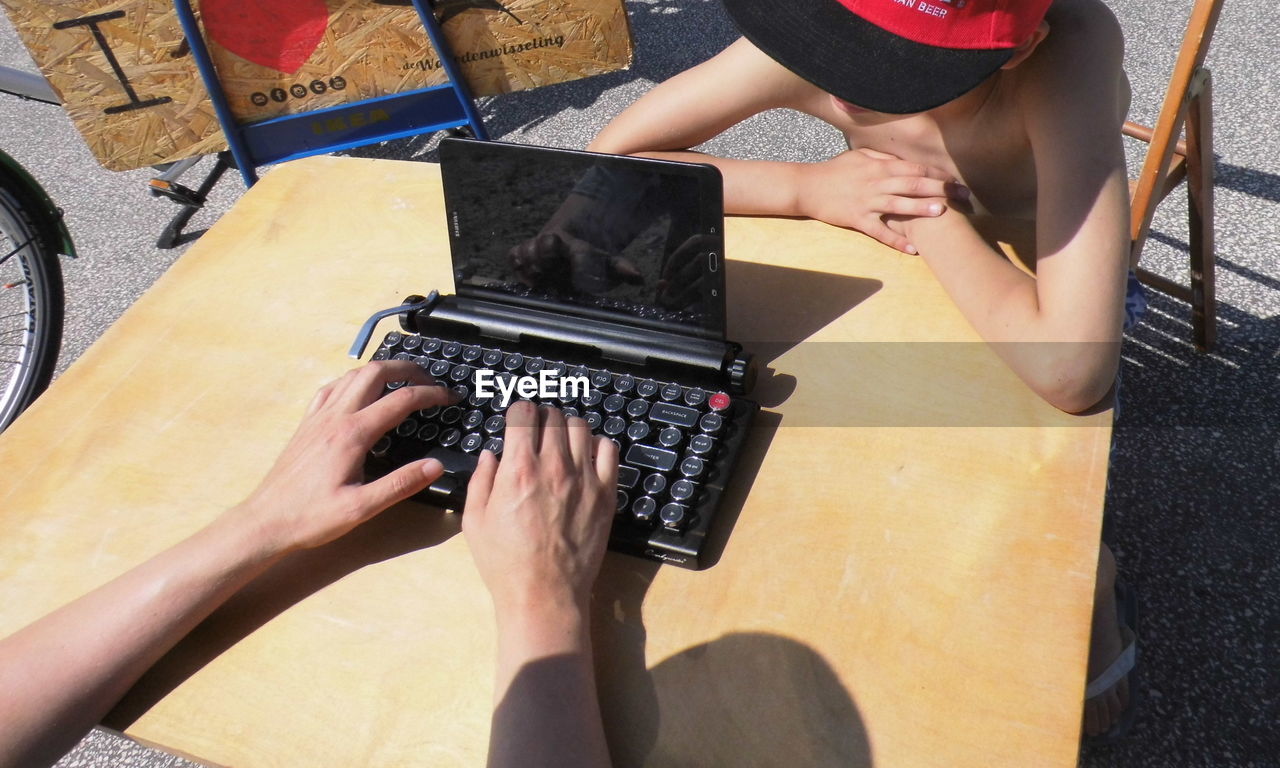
[(1193, 483)]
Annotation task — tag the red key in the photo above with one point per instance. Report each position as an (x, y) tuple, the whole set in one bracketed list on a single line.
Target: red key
[(719, 401)]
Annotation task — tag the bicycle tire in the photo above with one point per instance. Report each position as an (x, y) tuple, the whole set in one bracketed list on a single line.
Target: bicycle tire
[(31, 306)]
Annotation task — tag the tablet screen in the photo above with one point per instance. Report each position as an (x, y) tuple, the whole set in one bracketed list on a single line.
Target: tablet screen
[(620, 238)]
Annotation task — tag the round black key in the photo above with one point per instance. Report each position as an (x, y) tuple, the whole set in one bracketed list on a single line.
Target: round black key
[(601, 379), (383, 445), (695, 397), (494, 445), (407, 427), (423, 362), (616, 442), (461, 372), (450, 350), (683, 490), (701, 445), (655, 484), (439, 369), (579, 371), (622, 495), (472, 442), (692, 466), (670, 392), (672, 515), (512, 361), (402, 356), (594, 420), (459, 392), (711, 423), (534, 364), (638, 431), (411, 343), (470, 353), (394, 385), (476, 401), (429, 413), (450, 415), (431, 346), (381, 354), (450, 437), (498, 405), (614, 403), (643, 509), (495, 424), (670, 437), (614, 426), (428, 432), (590, 399), (491, 358), (624, 384), (646, 388), (556, 367), (391, 339), (637, 408), (472, 420), (570, 412)]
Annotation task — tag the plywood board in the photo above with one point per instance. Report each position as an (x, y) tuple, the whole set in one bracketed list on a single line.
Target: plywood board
[(130, 84)]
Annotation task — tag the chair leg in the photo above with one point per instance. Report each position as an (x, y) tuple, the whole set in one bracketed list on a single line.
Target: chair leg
[(1204, 309)]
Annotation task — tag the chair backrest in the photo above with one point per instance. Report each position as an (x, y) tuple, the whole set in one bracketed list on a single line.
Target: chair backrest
[(1188, 77), (331, 129)]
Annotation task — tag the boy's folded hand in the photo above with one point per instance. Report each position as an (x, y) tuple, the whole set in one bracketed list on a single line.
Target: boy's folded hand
[(857, 188)]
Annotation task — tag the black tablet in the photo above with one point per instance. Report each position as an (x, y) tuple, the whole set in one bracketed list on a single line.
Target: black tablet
[(627, 239)]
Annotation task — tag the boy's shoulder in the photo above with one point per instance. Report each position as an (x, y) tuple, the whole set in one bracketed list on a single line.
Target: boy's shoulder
[(1084, 40)]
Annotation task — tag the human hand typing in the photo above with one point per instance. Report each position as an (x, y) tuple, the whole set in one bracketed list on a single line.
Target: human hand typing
[(314, 493), (859, 188), (537, 524)]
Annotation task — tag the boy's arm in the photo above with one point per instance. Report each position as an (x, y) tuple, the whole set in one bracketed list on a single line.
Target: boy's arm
[(852, 189), (62, 674), (1059, 331)]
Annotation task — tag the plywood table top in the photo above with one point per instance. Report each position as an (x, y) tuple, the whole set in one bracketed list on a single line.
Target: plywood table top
[(907, 581)]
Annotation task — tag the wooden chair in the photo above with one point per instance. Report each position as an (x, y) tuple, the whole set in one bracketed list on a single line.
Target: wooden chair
[(1170, 160)]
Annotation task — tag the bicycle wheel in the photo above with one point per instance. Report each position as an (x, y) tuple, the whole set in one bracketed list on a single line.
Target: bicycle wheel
[(31, 308)]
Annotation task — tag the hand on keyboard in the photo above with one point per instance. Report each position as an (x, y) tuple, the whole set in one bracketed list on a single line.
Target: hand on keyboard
[(314, 494), (537, 524)]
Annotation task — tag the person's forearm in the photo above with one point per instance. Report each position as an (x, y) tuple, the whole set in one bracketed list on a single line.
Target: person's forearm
[(62, 674), (546, 712), (1048, 350), (751, 187)]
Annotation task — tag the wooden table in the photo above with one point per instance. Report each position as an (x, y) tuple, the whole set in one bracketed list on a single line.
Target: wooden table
[(908, 582)]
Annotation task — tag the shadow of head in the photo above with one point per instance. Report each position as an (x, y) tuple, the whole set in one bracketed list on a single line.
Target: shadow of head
[(745, 699)]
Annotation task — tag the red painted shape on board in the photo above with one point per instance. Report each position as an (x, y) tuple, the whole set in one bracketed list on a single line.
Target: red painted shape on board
[(280, 34)]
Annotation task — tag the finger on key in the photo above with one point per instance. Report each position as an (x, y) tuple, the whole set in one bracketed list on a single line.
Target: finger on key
[(367, 385), (522, 436), (606, 461), (579, 442), (555, 438), (389, 411), (480, 486)]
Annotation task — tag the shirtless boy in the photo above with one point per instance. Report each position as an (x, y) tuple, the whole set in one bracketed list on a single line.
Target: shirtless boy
[(1008, 110)]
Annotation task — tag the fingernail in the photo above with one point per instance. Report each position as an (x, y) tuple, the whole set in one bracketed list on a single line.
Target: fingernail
[(935, 209), (432, 466), (911, 249)]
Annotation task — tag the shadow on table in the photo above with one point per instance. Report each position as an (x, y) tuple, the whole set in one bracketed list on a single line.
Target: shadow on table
[(773, 309), (742, 699), (402, 529)]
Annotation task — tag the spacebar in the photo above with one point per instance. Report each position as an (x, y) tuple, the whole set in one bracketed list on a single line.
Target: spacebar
[(455, 462)]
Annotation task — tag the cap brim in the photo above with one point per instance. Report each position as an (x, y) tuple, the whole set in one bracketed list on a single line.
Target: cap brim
[(858, 62)]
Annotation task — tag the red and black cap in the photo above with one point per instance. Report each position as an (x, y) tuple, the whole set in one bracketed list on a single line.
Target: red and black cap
[(893, 56)]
